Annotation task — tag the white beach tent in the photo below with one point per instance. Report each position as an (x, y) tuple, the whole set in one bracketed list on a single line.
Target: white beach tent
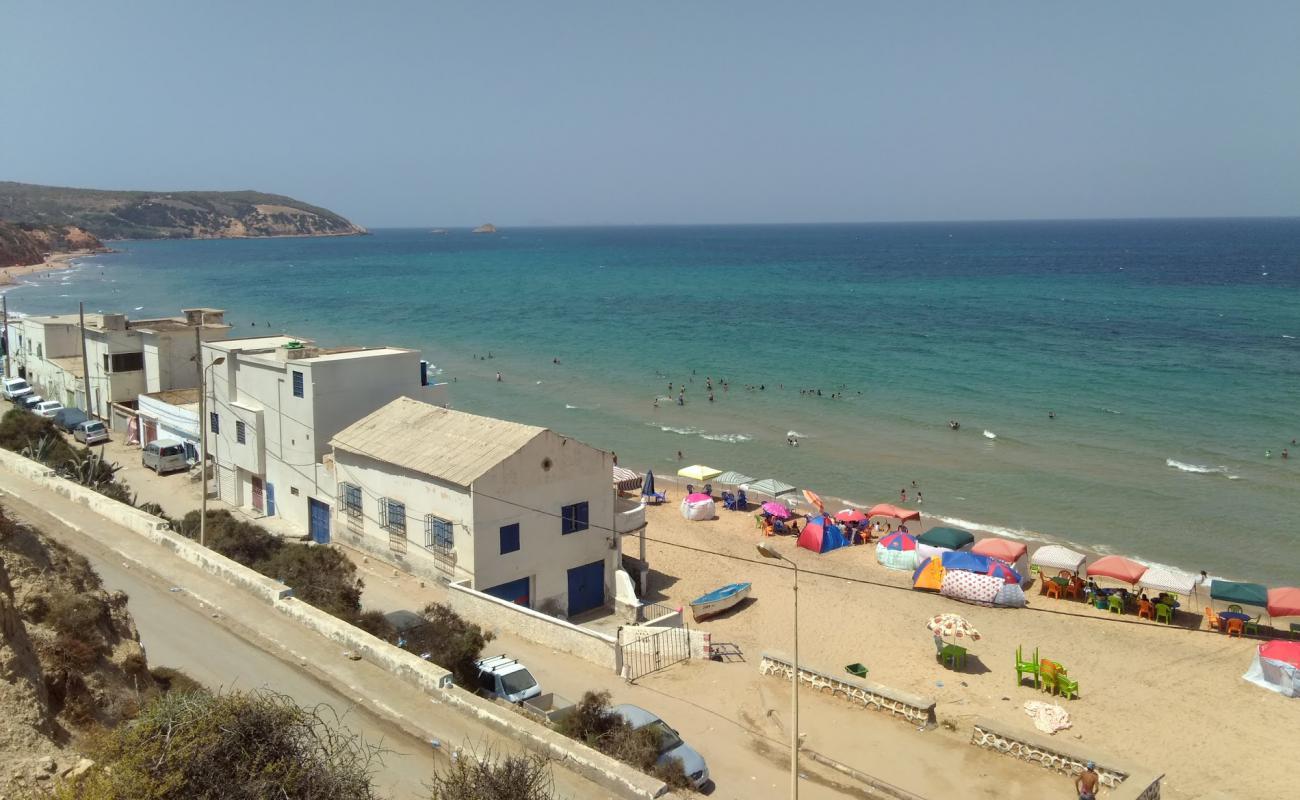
[(1167, 579), (701, 508), (1275, 668), (1053, 556)]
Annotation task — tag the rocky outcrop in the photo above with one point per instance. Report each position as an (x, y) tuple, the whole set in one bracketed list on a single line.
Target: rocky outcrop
[(26, 243), (170, 215), (485, 228)]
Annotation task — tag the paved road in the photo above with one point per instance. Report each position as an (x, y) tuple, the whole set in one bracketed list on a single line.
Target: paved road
[(262, 649)]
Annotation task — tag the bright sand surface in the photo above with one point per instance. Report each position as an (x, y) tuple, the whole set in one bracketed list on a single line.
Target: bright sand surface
[(10, 275), (1167, 697)]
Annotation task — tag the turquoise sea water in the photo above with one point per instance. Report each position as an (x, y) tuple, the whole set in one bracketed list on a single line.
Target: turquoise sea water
[(1166, 349)]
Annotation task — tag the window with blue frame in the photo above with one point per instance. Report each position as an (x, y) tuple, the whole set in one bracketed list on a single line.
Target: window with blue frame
[(392, 516), (241, 432), (573, 518), (438, 534), (297, 384), (351, 500), (509, 538), (214, 422)]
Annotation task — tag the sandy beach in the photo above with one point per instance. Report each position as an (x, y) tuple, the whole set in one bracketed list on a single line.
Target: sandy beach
[(10, 275), (1169, 697)]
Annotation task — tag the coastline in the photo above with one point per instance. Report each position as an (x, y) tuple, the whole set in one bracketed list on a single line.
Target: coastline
[(55, 262)]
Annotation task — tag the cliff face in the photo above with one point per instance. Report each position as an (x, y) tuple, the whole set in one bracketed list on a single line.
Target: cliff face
[(170, 215), (24, 244)]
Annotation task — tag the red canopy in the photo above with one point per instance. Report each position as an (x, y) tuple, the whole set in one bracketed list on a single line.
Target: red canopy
[(1284, 602), (1279, 650), (1117, 567), (1001, 549), (888, 510)]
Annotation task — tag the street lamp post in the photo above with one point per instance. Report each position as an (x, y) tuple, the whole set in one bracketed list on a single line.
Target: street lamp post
[(203, 447), (768, 551)]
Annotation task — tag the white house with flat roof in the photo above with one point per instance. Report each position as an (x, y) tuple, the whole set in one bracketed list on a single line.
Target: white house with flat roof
[(273, 404), (522, 512)]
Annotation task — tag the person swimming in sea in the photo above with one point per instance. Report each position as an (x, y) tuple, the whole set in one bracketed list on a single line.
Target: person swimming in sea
[(1051, 415), (954, 424)]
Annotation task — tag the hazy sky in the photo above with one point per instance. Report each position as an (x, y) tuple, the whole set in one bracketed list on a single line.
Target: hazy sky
[(429, 113)]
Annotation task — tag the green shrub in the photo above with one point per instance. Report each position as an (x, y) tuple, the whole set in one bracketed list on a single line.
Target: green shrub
[(595, 723), (452, 642), (375, 624), (321, 576), (478, 777), (233, 538)]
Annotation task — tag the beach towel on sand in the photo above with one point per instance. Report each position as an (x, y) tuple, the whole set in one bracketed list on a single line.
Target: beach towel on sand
[(1048, 717)]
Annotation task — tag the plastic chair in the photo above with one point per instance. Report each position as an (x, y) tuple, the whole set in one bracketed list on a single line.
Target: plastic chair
[(1024, 668), (1252, 627), (1074, 588), (742, 502), (1051, 588), (1212, 619), (729, 501), (1100, 602), (954, 655), (1067, 686), (1235, 607), (1116, 604), (1235, 627), (690, 489), (1146, 610), (708, 489), (1164, 613), (1049, 670)]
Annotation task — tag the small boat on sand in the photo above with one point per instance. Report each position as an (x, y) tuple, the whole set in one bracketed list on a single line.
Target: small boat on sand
[(718, 600)]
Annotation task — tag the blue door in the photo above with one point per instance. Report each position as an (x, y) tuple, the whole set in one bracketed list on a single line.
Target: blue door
[(586, 587), (270, 500), (513, 592), (318, 521)]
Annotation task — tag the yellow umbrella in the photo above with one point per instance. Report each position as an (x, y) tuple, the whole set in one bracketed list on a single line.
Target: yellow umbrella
[(699, 472)]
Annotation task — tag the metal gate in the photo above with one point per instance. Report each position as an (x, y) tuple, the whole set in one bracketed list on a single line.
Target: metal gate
[(653, 651)]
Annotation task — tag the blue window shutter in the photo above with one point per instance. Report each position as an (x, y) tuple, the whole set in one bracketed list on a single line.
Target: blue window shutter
[(297, 384), (581, 521), (509, 538)]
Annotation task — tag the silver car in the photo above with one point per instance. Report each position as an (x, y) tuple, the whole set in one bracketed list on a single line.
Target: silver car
[(90, 432), (671, 745), (164, 455)]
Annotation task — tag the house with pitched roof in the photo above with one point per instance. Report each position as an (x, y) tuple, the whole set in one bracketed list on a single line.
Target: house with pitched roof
[(523, 513)]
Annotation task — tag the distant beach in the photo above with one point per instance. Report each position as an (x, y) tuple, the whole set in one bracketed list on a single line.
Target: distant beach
[(11, 275)]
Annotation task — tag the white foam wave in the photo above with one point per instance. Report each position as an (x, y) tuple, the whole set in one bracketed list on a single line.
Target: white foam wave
[(990, 435), (795, 435), (1200, 469), (1285, 336), (678, 431), (730, 438), (1110, 410), (572, 407)]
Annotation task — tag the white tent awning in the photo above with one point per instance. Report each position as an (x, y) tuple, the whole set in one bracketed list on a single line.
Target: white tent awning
[(1053, 556), (1163, 579)]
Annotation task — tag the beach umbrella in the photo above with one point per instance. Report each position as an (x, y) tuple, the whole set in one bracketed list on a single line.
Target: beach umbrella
[(699, 472), (898, 541), (776, 509), (813, 498), (625, 480), (733, 478), (1284, 602), (850, 515), (951, 538), (890, 510), (648, 487), (1000, 569), (952, 626), (1117, 567), (1001, 549), (772, 487), (1247, 594)]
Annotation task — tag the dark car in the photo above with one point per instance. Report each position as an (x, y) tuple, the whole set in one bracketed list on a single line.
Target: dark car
[(28, 401), (69, 418)]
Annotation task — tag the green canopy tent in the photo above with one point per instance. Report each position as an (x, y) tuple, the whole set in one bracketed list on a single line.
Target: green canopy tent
[(951, 538), (733, 478), (773, 488), (1246, 594)]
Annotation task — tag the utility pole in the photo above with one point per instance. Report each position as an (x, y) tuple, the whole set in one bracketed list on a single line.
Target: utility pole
[(203, 439), (9, 356), (85, 364)]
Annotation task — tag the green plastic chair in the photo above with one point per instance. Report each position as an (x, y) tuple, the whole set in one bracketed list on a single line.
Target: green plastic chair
[(1235, 607), (1067, 686), (1116, 604), (1252, 627), (1164, 613), (1024, 668), (955, 655)]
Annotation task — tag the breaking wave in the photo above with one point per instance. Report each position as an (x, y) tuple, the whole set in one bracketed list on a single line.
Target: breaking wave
[(1200, 469), (730, 438)]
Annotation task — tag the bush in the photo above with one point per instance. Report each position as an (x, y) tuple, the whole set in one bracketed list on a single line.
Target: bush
[(75, 615), (73, 655), (475, 777), (243, 746), (375, 624), (233, 538), (595, 723), (321, 576), (452, 642), (20, 428), (174, 680)]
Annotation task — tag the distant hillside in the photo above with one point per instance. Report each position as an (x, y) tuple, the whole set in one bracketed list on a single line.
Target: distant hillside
[(169, 215), (27, 243)]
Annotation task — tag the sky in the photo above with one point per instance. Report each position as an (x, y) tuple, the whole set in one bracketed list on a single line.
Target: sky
[(700, 111)]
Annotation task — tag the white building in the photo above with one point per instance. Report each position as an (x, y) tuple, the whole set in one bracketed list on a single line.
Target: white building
[(273, 405), (524, 513), (125, 357), (170, 415)]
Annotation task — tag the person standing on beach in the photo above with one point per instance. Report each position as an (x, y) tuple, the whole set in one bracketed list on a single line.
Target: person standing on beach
[(681, 397), (1086, 783)]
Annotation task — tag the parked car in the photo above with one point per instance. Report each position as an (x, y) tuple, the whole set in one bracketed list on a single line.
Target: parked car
[(670, 743), (28, 401), (91, 432), (69, 418), (48, 408), (15, 387), (499, 676), (164, 455)]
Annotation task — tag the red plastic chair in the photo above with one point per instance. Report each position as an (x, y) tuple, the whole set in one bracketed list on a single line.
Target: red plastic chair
[(1145, 609), (1235, 627)]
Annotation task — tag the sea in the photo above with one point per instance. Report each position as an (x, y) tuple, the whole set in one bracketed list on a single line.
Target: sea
[(1125, 386)]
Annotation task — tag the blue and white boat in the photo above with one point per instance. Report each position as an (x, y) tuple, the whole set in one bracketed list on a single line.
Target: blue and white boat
[(718, 600)]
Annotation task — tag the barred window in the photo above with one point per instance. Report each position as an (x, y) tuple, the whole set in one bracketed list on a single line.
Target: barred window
[(392, 515), (438, 534), (350, 501)]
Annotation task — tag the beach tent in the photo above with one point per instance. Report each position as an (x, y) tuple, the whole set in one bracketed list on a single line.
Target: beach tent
[(773, 488), (1247, 594), (1053, 556), (897, 551), (1167, 579), (1117, 567), (947, 538), (970, 587), (929, 576), (821, 535), (699, 506), (974, 562), (625, 480), (1001, 549), (699, 472), (888, 510), (733, 478), (1276, 667), (1284, 602), (1011, 596)]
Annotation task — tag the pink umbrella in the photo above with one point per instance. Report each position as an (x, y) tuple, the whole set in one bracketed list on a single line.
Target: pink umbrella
[(776, 509), (850, 515), (890, 510), (698, 497), (1001, 549), (1117, 567), (1284, 602)]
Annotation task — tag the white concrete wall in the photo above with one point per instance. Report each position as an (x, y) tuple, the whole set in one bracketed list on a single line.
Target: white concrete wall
[(494, 614), (520, 490), (342, 390)]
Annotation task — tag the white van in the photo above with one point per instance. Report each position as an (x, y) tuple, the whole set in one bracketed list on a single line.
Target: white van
[(15, 388), (506, 678), (164, 455)]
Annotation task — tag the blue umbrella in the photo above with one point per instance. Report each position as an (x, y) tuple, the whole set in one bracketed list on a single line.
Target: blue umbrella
[(648, 486)]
